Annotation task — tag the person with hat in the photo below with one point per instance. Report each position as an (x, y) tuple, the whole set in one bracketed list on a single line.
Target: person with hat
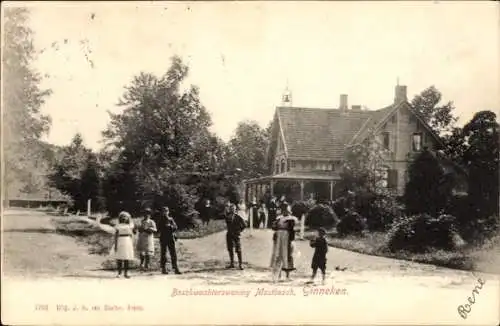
[(145, 241), (282, 256), (123, 246), (235, 225), (167, 228)]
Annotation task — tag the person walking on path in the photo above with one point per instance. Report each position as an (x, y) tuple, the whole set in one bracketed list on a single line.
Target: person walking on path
[(167, 228), (124, 247), (145, 241), (235, 225), (319, 258)]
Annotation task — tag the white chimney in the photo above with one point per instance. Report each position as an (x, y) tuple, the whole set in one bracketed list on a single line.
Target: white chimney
[(343, 102)]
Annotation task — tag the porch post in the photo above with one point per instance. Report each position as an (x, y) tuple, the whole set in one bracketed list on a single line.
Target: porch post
[(331, 190), (246, 193), (301, 190), (271, 185)]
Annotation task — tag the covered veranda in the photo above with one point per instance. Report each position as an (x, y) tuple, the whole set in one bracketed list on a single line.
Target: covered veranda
[(294, 185)]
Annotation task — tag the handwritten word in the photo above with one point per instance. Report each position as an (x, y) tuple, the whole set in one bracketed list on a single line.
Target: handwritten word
[(464, 310), (307, 291)]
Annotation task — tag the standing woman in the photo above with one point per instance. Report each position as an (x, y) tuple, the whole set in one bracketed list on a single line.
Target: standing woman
[(145, 242), (124, 247), (282, 257)]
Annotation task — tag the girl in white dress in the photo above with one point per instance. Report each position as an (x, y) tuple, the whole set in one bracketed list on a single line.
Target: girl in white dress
[(124, 247)]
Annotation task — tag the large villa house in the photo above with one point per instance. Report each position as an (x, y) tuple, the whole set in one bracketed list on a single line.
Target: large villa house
[(308, 145)]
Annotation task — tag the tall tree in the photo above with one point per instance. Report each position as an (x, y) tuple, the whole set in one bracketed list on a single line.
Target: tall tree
[(439, 116), (428, 189), (161, 132), (481, 159), (248, 149), (23, 122), (69, 170)]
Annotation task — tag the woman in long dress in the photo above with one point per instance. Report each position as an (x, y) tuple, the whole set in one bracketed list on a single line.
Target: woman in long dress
[(282, 256), (124, 247), (145, 241)]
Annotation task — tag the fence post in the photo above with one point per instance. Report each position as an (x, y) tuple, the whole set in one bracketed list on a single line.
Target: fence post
[(302, 226), (250, 218), (89, 203)]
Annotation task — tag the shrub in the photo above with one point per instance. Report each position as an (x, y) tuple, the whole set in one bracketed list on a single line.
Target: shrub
[(380, 210), (351, 224), (340, 206), (300, 207), (321, 216), (419, 233)]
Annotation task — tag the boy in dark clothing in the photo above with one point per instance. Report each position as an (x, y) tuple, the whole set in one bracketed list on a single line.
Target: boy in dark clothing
[(235, 225), (319, 258)]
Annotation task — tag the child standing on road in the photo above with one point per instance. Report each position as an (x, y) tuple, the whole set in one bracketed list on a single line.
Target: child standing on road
[(124, 247), (319, 258), (145, 242)]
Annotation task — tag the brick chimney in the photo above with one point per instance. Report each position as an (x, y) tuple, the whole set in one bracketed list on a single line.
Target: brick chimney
[(343, 102), (400, 94)]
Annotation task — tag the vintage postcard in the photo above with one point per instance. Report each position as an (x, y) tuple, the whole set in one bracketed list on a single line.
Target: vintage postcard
[(253, 162)]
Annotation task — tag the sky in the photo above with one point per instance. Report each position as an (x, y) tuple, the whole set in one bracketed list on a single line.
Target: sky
[(242, 56)]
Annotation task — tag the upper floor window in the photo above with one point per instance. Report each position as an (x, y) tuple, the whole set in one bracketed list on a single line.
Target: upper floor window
[(392, 179), (288, 165), (386, 140), (292, 164), (411, 118), (282, 165), (393, 118), (276, 167), (416, 142)]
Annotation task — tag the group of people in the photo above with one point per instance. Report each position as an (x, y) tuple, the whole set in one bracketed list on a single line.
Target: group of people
[(283, 223), (283, 237), (145, 245)]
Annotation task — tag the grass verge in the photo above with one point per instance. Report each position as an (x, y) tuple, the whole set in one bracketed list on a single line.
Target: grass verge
[(374, 243)]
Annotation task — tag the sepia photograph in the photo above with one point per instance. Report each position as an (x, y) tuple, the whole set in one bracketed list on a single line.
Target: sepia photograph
[(250, 163)]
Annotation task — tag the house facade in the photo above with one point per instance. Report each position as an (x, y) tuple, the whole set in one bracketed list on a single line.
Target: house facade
[(308, 145)]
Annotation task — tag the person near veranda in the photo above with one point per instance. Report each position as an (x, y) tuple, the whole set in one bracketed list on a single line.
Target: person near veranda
[(123, 246), (235, 225), (167, 228), (319, 258)]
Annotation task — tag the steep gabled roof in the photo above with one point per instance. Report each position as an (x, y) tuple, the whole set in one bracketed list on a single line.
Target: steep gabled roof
[(323, 134), (319, 134)]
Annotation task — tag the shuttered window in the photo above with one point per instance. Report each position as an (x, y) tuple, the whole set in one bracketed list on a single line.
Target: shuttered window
[(392, 179)]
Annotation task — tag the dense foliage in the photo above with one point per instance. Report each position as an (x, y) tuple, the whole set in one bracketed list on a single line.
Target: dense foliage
[(428, 189), (351, 224), (321, 216), (421, 233)]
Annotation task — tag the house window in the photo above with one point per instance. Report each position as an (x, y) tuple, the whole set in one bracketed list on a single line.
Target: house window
[(386, 140), (282, 165), (393, 119), (411, 118), (292, 163), (392, 179), (276, 167), (416, 142), (288, 165)]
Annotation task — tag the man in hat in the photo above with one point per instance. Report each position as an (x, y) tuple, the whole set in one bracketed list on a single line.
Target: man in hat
[(235, 225), (167, 228)]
